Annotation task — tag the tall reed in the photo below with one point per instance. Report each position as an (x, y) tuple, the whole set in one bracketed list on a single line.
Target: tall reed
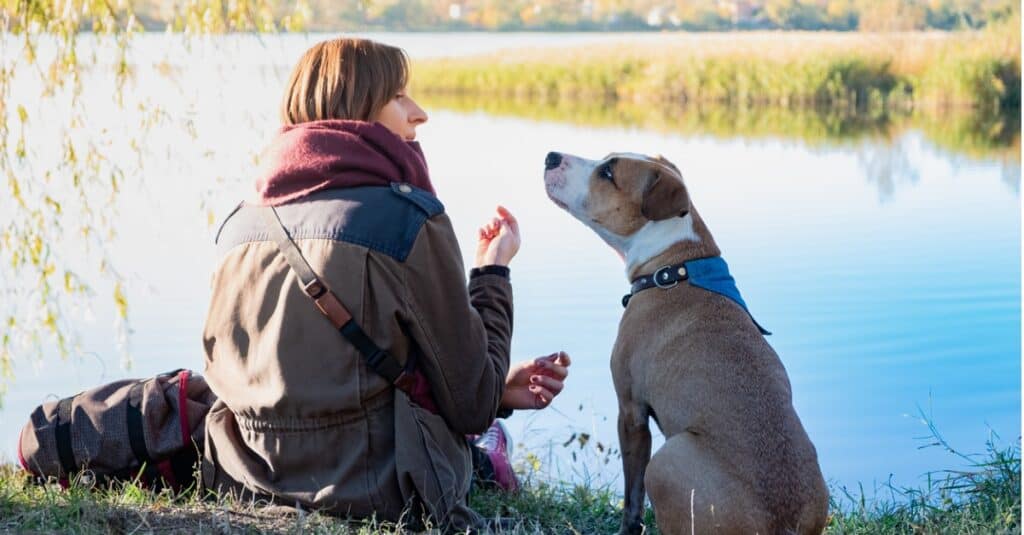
[(850, 70)]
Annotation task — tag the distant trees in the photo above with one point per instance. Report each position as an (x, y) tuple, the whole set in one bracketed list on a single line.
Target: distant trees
[(692, 15)]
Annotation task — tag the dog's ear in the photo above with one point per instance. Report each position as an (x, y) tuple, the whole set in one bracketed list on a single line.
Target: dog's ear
[(671, 165), (665, 196)]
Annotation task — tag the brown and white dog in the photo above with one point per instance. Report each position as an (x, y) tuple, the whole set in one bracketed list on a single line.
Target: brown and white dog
[(736, 458)]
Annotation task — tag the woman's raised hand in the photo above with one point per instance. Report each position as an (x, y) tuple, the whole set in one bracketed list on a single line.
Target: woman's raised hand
[(534, 383), (498, 240)]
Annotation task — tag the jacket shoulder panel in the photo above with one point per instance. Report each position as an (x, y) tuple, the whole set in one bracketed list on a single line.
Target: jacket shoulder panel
[(425, 200), (383, 219)]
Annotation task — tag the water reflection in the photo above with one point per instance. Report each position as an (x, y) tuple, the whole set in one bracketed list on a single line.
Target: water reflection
[(983, 135), (886, 166)]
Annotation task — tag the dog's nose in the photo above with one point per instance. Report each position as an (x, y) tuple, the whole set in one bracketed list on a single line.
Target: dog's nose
[(553, 160)]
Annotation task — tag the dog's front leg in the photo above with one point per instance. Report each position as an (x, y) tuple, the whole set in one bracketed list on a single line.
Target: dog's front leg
[(635, 443)]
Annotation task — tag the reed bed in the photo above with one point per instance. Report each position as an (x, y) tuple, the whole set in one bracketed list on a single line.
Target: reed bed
[(839, 70)]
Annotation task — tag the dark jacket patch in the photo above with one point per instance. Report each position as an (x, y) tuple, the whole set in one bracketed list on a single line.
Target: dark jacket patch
[(383, 219)]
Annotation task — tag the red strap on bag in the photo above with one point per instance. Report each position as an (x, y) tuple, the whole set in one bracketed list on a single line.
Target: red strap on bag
[(186, 430), (167, 472)]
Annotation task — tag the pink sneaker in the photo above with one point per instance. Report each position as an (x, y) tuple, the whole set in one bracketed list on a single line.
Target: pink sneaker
[(497, 445)]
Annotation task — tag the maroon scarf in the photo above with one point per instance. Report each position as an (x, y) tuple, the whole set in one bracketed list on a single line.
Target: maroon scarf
[(318, 155)]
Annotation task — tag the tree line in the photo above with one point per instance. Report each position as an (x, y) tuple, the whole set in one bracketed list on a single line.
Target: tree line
[(636, 15)]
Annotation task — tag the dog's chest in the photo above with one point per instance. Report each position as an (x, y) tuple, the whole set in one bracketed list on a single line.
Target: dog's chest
[(657, 337)]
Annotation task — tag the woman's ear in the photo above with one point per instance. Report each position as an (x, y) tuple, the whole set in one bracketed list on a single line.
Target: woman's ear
[(665, 196)]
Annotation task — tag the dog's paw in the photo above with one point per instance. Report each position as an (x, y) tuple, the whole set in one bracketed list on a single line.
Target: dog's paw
[(631, 527)]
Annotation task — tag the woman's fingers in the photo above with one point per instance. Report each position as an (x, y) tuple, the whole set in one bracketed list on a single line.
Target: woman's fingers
[(504, 228), (554, 370), (556, 364), (549, 383), (542, 396), (490, 229), (542, 378), (511, 219), (560, 357)]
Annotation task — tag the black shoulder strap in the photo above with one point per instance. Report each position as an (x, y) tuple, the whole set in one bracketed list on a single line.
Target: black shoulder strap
[(136, 433), (330, 306), (62, 435)]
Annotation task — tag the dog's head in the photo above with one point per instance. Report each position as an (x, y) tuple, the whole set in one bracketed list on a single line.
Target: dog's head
[(636, 203)]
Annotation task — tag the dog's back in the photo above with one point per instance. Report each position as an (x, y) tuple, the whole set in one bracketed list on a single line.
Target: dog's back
[(716, 381)]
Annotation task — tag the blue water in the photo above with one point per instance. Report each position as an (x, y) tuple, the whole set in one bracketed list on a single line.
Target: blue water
[(889, 289), (882, 305)]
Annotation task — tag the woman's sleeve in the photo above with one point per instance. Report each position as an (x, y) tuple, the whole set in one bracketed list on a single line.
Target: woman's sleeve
[(464, 333)]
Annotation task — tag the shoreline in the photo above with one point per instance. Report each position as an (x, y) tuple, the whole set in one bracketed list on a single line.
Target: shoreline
[(982, 499)]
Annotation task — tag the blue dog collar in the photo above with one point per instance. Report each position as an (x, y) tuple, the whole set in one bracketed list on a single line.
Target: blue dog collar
[(711, 274)]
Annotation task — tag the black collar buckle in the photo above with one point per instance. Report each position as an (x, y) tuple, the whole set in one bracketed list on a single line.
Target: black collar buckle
[(665, 277)]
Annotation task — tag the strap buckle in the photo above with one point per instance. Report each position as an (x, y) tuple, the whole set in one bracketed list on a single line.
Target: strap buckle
[(663, 277), (314, 289), (405, 382)]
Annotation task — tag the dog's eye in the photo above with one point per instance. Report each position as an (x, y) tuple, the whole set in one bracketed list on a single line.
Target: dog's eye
[(606, 173)]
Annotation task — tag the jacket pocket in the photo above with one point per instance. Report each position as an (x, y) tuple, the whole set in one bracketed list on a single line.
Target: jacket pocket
[(433, 463), (321, 463)]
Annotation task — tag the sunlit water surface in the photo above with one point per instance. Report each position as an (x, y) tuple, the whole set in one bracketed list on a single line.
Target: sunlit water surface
[(888, 271)]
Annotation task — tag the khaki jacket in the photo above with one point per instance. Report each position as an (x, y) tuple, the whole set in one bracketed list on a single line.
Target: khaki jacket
[(301, 419)]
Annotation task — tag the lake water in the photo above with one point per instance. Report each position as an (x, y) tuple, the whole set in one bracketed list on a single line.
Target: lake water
[(887, 266)]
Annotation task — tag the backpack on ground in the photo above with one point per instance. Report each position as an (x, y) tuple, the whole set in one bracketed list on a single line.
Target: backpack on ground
[(150, 429)]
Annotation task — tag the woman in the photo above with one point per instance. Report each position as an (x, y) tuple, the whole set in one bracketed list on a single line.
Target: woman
[(302, 418)]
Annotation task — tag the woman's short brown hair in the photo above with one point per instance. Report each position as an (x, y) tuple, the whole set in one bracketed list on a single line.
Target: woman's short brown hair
[(344, 79)]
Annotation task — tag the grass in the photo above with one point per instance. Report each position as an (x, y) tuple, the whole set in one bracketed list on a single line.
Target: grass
[(125, 507), (840, 70), (983, 498)]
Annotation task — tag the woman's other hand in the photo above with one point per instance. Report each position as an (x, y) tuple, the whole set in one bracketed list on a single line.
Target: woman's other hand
[(532, 384), (498, 240)]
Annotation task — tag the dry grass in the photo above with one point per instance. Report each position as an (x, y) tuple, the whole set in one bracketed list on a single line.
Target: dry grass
[(980, 69), (984, 498)]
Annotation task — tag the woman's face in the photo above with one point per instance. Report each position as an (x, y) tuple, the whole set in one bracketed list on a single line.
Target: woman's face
[(402, 115)]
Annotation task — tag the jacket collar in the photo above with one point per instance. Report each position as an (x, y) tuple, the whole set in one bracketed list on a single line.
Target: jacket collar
[(309, 157)]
